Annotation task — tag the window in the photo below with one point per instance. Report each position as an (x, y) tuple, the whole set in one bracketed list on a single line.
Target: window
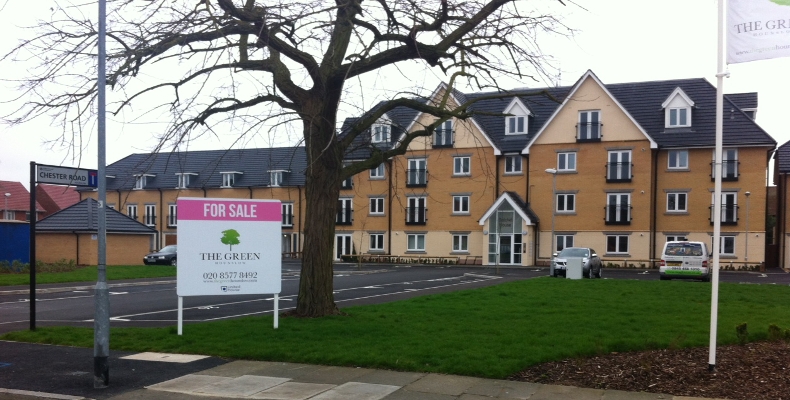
[(380, 133), (729, 165), (461, 165), (516, 125), (566, 161), (589, 127), (460, 204), (566, 203), (619, 167), (288, 214), (347, 183), (150, 215), (344, 212), (677, 202), (678, 159), (726, 245), (183, 181), (617, 244), (460, 243), (228, 179), (618, 209), (415, 242), (376, 242), (678, 117), (417, 172), (139, 182), (275, 178), (131, 211), (443, 136), (563, 241), (172, 215), (677, 239), (729, 208), (513, 164), (416, 211), (12, 215), (378, 172), (377, 206)]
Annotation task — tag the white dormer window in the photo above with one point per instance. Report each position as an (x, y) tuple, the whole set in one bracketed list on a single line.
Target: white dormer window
[(141, 180), (677, 109), (276, 177), (380, 131), (516, 122), (229, 178), (183, 180)]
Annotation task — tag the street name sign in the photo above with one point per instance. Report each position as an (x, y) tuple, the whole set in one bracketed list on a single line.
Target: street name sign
[(66, 176)]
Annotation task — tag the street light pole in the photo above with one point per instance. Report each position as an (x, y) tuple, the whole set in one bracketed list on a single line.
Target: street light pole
[(5, 209), (746, 257), (553, 173)]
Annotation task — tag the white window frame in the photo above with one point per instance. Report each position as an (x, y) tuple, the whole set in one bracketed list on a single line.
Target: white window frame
[(588, 128), (460, 243), (679, 155), (376, 242), (419, 166), (139, 182), (677, 238), (462, 166), (513, 164), (376, 206), (172, 215), (149, 219), (287, 214), (564, 200), (461, 204), (228, 179), (10, 214), (512, 125), (676, 113), (378, 172), (722, 245), (413, 242), (345, 203), (380, 133), (564, 161), (183, 181), (566, 240), (623, 167), (440, 135), (131, 211), (618, 202), (618, 243), (275, 178), (725, 197), (677, 196)]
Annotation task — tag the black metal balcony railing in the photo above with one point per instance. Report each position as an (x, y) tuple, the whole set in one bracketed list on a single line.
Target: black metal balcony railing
[(416, 215), (345, 216), (619, 172), (589, 132), (288, 220), (443, 138), (729, 214), (416, 177), (729, 171), (618, 214), (172, 220), (149, 220)]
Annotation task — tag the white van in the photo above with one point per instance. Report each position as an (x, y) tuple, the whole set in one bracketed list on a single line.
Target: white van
[(685, 260)]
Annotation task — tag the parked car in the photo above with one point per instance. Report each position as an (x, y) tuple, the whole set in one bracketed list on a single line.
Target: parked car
[(684, 260), (589, 257), (165, 256)]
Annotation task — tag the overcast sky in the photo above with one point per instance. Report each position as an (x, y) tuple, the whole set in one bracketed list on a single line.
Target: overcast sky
[(619, 40)]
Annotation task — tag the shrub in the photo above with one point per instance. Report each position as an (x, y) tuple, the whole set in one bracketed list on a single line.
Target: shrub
[(774, 332), (741, 330)]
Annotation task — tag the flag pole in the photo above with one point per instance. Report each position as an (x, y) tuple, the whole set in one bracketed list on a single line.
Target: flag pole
[(714, 299)]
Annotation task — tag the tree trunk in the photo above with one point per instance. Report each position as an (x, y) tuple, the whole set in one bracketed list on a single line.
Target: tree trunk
[(322, 189)]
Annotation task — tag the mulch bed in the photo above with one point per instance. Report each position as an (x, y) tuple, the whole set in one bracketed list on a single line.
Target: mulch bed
[(758, 370)]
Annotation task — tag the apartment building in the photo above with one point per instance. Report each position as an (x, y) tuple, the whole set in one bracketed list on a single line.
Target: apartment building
[(781, 179), (621, 168)]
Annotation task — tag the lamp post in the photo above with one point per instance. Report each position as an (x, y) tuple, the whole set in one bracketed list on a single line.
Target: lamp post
[(5, 209), (746, 256), (553, 173)]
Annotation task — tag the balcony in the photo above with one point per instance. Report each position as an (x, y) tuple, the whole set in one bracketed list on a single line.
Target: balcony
[(618, 214), (588, 132), (443, 138), (618, 172), (416, 177), (729, 171), (729, 214), (288, 220), (345, 216), (172, 221), (149, 220), (416, 215)]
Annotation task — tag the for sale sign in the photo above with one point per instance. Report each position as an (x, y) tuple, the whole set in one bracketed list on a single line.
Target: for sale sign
[(228, 246)]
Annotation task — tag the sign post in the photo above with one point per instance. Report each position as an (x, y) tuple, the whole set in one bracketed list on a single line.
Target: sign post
[(228, 247)]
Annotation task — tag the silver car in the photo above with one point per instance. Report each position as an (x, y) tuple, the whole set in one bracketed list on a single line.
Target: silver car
[(589, 257)]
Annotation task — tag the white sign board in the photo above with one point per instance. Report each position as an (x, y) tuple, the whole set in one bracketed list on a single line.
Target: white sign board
[(66, 176), (229, 246)]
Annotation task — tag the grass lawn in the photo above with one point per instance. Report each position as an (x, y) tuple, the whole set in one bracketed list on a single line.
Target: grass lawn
[(89, 274), (489, 332)]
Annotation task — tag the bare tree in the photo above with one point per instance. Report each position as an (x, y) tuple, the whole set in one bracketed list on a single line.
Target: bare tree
[(256, 65)]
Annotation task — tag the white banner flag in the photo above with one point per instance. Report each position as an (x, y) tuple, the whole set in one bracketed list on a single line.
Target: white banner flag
[(757, 30)]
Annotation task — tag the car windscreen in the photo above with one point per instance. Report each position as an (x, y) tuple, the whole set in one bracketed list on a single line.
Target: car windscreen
[(683, 249), (168, 249), (574, 253)]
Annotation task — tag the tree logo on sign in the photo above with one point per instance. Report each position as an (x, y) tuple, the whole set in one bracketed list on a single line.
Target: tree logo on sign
[(230, 237)]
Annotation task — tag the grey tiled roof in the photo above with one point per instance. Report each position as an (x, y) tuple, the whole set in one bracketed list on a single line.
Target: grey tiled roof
[(782, 158), (254, 164), (744, 100), (524, 206), (84, 217)]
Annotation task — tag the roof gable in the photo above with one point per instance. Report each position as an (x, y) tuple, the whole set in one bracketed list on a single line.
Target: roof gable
[(523, 209), (84, 217), (678, 92)]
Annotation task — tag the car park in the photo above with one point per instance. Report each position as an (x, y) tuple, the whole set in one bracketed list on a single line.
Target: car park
[(684, 260), (166, 256), (590, 262)]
